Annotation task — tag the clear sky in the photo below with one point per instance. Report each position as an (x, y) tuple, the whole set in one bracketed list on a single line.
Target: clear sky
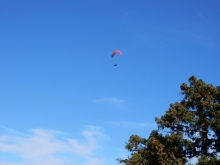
[(62, 102)]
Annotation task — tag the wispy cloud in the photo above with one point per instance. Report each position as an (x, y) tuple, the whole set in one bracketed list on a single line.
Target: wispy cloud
[(9, 163), (193, 38), (158, 35), (132, 124), (110, 100), (40, 146)]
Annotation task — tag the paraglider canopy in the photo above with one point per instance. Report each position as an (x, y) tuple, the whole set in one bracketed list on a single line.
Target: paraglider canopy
[(115, 52)]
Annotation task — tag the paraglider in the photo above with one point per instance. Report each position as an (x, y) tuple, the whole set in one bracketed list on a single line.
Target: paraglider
[(115, 52)]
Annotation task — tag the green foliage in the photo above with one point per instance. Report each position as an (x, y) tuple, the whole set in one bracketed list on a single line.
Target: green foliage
[(158, 150), (204, 160), (192, 130)]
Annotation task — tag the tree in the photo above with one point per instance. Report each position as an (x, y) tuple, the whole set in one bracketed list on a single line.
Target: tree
[(157, 150), (189, 128)]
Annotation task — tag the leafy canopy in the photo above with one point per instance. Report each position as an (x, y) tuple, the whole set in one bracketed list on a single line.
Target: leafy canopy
[(189, 128)]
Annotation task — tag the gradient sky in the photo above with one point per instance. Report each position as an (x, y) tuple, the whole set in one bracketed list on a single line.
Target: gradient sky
[(63, 102)]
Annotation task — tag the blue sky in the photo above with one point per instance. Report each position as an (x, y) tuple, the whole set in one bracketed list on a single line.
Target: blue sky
[(63, 102)]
